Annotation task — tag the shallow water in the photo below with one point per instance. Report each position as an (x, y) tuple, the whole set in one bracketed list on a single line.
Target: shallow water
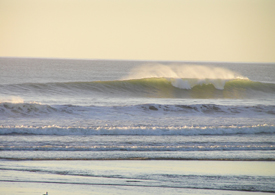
[(194, 177)]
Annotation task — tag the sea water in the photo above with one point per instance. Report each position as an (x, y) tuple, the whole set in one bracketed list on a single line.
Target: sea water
[(80, 112)]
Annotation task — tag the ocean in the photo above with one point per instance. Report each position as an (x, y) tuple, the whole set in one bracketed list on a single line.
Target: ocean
[(138, 127)]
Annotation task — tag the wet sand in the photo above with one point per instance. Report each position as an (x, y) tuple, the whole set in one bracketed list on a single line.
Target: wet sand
[(131, 177)]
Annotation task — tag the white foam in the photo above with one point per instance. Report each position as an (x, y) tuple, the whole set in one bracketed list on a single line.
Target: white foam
[(12, 99), (24, 109), (138, 130)]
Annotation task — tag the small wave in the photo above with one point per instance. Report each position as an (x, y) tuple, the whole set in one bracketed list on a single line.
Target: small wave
[(210, 108), (24, 109), (195, 147), (138, 130), (36, 109), (237, 155)]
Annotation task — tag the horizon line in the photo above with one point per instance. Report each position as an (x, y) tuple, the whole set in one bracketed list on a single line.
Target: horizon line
[(141, 60)]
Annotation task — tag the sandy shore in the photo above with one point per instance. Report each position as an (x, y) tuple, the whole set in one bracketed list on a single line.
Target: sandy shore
[(131, 177)]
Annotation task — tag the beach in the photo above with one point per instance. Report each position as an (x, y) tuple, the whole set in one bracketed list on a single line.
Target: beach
[(137, 177), (136, 127)]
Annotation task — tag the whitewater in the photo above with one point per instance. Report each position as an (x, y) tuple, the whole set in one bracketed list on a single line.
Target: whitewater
[(57, 110)]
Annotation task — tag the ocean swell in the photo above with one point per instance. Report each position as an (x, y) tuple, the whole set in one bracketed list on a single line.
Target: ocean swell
[(149, 87)]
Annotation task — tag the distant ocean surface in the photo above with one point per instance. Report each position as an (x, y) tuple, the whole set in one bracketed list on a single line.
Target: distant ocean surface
[(60, 109)]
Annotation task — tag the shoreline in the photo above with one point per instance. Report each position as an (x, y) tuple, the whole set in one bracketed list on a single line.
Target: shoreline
[(137, 177), (12, 188)]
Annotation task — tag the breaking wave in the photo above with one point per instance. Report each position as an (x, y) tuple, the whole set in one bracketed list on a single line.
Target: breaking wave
[(36, 109), (151, 87), (138, 130)]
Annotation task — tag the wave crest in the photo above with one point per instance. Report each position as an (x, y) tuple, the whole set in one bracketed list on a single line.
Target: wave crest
[(182, 71), (25, 109)]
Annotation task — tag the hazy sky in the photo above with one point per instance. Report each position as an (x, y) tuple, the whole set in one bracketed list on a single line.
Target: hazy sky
[(186, 30)]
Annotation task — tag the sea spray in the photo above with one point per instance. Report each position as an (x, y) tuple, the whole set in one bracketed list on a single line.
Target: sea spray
[(182, 71), (186, 76)]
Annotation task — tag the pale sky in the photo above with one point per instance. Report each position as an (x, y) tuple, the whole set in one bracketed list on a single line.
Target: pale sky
[(180, 30)]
